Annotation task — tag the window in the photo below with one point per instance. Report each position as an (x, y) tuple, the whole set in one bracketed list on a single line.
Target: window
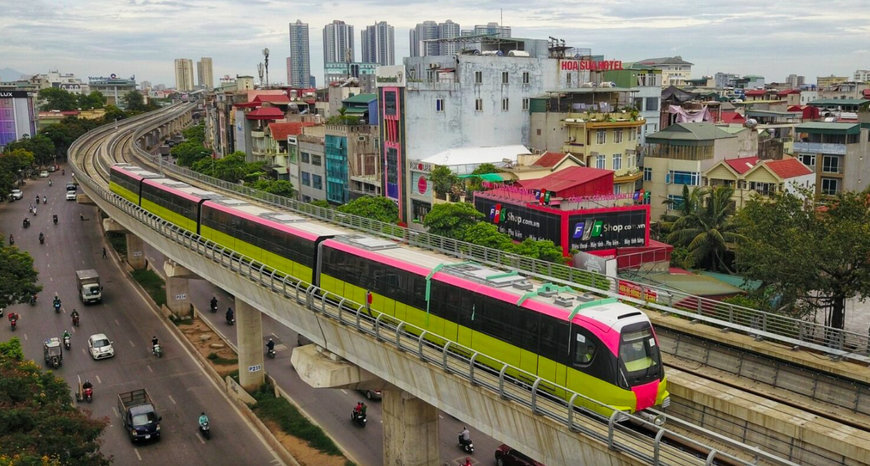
[(316, 160), (617, 136), (638, 103), (600, 136), (390, 103), (306, 157), (600, 161), (617, 161), (525, 104), (505, 104), (525, 77), (632, 133), (675, 202), (567, 80), (631, 160), (651, 128), (831, 164), (504, 77), (652, 104), (306, 179), (647, 174), (687, 178), (316, 181), (478, 77), (478, 105), (830, 186), (439, 105)]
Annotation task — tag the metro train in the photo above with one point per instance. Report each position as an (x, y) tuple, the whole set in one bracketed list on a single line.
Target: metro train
[(601, 348)]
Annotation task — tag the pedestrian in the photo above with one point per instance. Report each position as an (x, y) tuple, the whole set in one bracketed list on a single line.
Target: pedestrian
[(104, 252)]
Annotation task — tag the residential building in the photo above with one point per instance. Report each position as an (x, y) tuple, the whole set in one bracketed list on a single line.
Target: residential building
[(338, 43), (794, 81), (675, 70), (183, 74), (862, 76), (311, 168), (277, 154), (751, 177), (65, 81), (678, 155), (827, 81), (363, 73), (299, 72), (113, 88), (646, 85), (836, 153), (723, 80), (350, 151), (425, 35), (17, 116), (844, 90), (379, 44), (493, 29), (205, 73)]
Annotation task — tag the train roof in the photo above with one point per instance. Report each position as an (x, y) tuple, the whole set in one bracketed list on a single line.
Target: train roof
[(134, 171), (286, 219), (557, 301)]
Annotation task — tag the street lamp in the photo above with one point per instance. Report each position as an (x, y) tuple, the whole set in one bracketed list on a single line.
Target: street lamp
[(266, 55)]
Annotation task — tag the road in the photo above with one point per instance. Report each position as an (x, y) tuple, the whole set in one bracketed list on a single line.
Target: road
[(176, 382)]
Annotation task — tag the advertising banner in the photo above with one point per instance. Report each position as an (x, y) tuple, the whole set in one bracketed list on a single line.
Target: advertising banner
[(606, 230)]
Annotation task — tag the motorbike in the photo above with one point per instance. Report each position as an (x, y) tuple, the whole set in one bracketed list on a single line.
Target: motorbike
[(231, 318), (204, 429), (41, 238), (33, 300), (66, 342), (270, 352), (358, 418), (88, 394), (57, 306), (75, 320), (25, 223), (466, 445), (44, 200), (156, 350), (13, 323), (213, 307), (54, 218)]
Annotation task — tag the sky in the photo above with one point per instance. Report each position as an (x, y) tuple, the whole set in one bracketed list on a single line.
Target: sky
[(141, 38)]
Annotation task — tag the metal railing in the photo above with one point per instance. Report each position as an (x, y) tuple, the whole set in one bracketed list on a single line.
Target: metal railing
[(837, 343), (457, 359)]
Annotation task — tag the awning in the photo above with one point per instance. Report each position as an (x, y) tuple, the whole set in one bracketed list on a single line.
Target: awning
[(355, 110), (491, 177)]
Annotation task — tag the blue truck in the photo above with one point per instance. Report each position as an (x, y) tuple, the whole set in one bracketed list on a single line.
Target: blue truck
[(140, 418)]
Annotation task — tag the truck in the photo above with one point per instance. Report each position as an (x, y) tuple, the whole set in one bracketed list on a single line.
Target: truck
[(140, 418), (90, 290)]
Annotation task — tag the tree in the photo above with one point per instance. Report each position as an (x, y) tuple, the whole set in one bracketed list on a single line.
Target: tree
[(189, 153), (194, 133), (113, 114), (38, 423), (451, 219), (134, 102), (55, 98), (706, 228), (544, 250), (12, 162), (374, 207), (91, 101), (443, 181), (17, 277), (321, 203), (801, 249), (487, 235), (40, 145), (232, 168), (277, 187)]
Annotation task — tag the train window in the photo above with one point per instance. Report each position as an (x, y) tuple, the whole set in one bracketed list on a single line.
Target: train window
[(639, 353), (584, 349), (553, 339)]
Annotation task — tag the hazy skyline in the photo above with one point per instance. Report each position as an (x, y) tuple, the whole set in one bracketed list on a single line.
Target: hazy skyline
[(143, 37)]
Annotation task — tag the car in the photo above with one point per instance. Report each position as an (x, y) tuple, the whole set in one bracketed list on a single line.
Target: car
[(43, 174), (100, 346), (371, 394), (507, 456), (70, 195), (16, 194)]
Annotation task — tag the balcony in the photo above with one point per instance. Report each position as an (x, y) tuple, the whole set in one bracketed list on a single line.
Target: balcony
[(820, 148)]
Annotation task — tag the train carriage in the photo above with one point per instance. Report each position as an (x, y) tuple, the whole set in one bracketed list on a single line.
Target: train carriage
[(126, 181), (175, 201)]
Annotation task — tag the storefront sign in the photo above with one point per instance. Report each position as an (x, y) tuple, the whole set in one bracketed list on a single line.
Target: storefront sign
[(591, 65)]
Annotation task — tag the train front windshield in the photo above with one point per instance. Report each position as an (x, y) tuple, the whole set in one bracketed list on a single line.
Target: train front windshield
[(640, 355)]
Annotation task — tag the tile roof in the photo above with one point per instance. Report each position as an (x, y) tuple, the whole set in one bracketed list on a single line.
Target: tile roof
[(689, 132), (549, 159), (742, 165), (265, 113), (567, 178), (732, 117), (361, 98), (788, 167), (280, 131), (275, 99), (755, 92)]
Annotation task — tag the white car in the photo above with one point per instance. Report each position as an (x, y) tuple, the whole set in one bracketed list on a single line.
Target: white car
[(70, 195), (16, 194), (43, 174), (100, 346)]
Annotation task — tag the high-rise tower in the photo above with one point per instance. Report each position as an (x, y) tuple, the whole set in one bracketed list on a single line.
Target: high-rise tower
[(337, 42), (204, 73), (300, 55), (183, 74), (378, 44)]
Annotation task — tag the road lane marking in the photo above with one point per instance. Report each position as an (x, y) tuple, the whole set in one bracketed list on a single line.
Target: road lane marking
[(99, 380), (137, 454), (172, 400)]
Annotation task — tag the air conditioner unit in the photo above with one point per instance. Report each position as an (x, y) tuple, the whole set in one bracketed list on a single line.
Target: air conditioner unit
[(362, 138), (434, 66)]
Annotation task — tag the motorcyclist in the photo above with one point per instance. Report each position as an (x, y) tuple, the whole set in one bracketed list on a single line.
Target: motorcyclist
[(230, 315), (44, 199), (25, 223), (37, 199), (270, 345), (154, 341), (41, 237), (49, 183), (54, 218), (358, 409), (75, 317), (13, 317), (56, 301), (66, 334), (213, 303), (203, 419), (465, 435), (87, 385)]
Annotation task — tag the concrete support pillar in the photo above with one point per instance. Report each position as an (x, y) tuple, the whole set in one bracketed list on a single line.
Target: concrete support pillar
[(410, 430), (178, 296), (135, 252), (249, 333)]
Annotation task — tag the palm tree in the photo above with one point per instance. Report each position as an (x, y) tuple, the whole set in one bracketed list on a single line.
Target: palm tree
[(706, 227)]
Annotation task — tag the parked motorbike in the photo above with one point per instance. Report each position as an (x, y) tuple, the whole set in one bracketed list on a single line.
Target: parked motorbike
[(466, 445), (358, 418)]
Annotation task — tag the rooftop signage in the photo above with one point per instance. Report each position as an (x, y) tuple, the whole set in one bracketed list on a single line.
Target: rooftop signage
[(590, 65)]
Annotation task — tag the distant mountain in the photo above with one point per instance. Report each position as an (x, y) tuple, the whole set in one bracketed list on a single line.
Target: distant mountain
[(8, 74)]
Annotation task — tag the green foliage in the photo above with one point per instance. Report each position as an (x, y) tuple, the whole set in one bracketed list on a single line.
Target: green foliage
[(485, 168), (113, 114), (706, 228), (189, 153), (486, 234), (38, 423), (91, 101), (18, 278), (374, 207), (216, 359), (321, 203), (55, 98), (443, 181), (797, 247), (194, 133), (41, 146), (134, 102), (69, 129), (152, 284), (11, 164), (451, 219), (276, 187), (544, 250), (231, 168), (280, 411)]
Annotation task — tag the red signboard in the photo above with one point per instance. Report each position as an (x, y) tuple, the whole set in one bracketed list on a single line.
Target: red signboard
[(635, 291), (591, 65)]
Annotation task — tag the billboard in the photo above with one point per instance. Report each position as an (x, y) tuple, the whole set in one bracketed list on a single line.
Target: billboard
[(593, 230), (520, 222)]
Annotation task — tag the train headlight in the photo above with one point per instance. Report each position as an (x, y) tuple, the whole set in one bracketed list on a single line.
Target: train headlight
[(666, 402)]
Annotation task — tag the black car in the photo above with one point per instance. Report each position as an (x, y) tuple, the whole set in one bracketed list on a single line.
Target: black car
[(507, 456)]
